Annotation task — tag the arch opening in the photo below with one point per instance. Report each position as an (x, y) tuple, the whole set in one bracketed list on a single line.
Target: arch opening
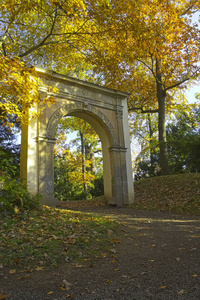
[(105, 136), (78, 161)]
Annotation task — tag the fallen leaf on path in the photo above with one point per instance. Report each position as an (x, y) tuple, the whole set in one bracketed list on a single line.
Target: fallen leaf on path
[(67, 258), (181, 292), (194, 275), (39, 268), (113, 251), (66, 285), (49, 293), (109, 281), (117, 241), (12, 271), (3, 296), (163, 287), (24, 277)]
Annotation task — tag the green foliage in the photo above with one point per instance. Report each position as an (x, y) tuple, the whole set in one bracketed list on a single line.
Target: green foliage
[(144, 129), (9, 150), (75, 162), (183, 141), (183, 137), (147, 168), (98, 189), (15, 197), (66, 185)]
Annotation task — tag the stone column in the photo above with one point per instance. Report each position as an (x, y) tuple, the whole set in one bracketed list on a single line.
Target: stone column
[(117, 197), (46, 170), (119, 114), (29, 156)]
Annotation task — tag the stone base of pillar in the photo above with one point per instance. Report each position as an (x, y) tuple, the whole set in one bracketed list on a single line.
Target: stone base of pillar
[(50, 201)]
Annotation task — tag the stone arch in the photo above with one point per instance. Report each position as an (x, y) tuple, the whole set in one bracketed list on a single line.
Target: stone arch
[(104, 109), (102, 126), (95, 113)]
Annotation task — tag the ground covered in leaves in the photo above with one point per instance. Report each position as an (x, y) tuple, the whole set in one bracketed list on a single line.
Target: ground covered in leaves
[(176, 193), (86, 250)]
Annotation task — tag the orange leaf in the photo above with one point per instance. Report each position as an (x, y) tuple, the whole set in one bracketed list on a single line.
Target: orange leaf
[(117, 241), (24, 277)]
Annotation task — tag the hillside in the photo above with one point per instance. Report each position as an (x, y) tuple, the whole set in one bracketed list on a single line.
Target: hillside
[(178, 193), (175, 193)]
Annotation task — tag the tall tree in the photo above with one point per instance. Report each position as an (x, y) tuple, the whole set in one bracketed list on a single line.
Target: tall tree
[(149, 47)]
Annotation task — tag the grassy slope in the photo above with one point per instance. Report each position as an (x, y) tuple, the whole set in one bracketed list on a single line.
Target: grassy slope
[(44, 238), (177, 193)]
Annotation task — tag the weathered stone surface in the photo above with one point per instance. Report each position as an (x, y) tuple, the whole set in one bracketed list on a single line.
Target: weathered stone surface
[(104, 109)]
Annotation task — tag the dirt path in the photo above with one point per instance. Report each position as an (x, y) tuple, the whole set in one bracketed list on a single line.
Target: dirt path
[(157, 257)]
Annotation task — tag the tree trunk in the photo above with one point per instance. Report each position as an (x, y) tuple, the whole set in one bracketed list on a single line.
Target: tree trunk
[(83, 161), (161, 94), (92, 166), (150, 143)]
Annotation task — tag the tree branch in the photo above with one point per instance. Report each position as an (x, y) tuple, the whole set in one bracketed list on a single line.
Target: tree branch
[(142, 110), (4, 49), (42, 43), (182, 81)]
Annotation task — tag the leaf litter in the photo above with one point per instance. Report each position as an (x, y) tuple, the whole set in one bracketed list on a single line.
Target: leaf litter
[(50, 235)]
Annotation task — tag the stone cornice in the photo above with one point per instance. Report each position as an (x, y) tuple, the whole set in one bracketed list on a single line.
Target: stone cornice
[(80, 83)]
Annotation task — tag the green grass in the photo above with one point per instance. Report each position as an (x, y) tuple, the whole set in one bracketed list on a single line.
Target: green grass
[(174, 193), (48, 236)]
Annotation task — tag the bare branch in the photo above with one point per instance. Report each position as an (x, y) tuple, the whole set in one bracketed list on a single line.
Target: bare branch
[(182, 81)]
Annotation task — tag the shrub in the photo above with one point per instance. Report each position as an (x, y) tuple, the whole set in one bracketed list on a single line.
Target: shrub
[(15, 197), (98, 189)]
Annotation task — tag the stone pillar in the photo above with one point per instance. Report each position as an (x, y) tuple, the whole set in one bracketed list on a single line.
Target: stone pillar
[(128, 162), (46, 170), (119, 176), (117, 196), (29, 156)]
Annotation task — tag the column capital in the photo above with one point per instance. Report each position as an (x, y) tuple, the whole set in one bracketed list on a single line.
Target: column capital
[(47, 139), (117, 149)]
